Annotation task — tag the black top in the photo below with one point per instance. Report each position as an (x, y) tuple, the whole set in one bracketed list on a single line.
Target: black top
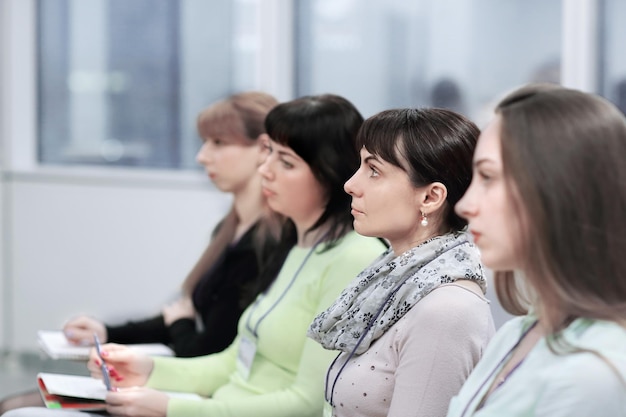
[(220, 297)]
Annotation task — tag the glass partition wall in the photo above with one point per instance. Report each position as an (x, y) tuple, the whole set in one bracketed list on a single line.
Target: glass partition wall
[(121, 82)]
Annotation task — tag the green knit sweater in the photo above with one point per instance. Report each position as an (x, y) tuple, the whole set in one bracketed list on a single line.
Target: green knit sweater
[(287, 374)]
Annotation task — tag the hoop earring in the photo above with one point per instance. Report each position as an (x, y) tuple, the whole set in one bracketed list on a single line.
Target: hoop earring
[(424, 221)]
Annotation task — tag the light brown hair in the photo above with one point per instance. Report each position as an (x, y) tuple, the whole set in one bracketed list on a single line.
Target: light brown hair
[(563, 157), (240, 118)]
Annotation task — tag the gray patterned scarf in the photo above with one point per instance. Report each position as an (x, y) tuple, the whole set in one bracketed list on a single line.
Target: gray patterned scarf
[(387, 290)]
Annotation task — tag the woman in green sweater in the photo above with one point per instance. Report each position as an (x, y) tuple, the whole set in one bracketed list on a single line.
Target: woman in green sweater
[(272, 368)]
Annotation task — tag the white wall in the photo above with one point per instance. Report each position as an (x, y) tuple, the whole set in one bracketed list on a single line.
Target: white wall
[(105, 246), (113, 243)]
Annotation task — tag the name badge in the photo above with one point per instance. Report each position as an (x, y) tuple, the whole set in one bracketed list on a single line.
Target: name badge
[(328, 409), (247, 350)]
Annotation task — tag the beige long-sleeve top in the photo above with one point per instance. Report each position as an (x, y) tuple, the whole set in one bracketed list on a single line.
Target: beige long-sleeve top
[(421, 362)]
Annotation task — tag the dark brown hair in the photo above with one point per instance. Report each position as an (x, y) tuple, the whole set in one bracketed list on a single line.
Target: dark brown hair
[(430, 145)]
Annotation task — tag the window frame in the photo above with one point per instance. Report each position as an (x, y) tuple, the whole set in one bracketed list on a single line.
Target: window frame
[(18, 96), (275, 73)]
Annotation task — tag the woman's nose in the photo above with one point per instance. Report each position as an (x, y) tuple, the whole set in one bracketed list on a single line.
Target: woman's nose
[(202, 156), (350, 185), (265, 169), (464, 207)]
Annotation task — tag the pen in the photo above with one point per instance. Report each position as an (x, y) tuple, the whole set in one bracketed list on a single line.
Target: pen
[(103, 367)]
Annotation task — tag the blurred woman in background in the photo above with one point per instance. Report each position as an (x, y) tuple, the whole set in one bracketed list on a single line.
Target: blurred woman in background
[(241, 260), (271, 369)]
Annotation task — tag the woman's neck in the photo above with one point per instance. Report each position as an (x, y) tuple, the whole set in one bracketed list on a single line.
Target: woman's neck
[(400, 246), (304, 223), (308, 239), (551, 319), (248, 205)]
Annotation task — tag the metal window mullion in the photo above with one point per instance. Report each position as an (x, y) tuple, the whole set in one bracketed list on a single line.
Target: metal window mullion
[(580, 45), (275, 68)]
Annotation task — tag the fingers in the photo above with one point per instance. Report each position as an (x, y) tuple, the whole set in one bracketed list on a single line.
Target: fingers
[(121, 396), (112, 353), (80, 330), (115, 376), (96, 372), (79, 336), (97, 368), (117, 397), (137, 401), (117, 400), (181, 308)]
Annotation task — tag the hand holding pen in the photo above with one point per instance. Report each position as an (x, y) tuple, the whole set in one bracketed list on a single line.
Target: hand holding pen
[(125, 366), (103, 367)]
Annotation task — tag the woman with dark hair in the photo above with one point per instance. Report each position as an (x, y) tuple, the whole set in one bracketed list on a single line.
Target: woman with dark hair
[(546, 208), (236, 265), (411, 326), (332, 160), (271, 369), (240, 261)]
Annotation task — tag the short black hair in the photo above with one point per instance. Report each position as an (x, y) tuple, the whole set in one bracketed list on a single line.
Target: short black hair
[(322, 130)]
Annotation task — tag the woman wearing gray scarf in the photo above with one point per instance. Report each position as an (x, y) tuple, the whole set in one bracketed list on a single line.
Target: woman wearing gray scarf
[(411, 327)]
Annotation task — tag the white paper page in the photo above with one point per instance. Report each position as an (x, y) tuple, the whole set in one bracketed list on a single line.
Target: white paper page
[(55, 345), (87, 387), (74, 386)]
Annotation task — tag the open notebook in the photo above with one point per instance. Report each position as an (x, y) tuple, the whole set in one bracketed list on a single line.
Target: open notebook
[(56, 346), (80, 392)]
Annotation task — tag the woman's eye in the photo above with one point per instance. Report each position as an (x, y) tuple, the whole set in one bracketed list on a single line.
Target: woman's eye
[(286, 164), (373, 172), (484, 177)]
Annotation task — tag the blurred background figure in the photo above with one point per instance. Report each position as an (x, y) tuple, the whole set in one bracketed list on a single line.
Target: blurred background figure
[(271, 369), (446, 94), (241, 260)]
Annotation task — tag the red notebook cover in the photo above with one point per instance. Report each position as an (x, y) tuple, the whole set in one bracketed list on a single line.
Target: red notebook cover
[(67, 402)]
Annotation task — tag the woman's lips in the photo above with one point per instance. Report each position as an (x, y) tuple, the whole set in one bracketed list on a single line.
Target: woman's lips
[(355, 211), (475, 235), (267, 192)]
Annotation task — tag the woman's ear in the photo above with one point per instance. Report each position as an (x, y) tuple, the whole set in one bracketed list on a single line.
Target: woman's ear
[(433, 197)]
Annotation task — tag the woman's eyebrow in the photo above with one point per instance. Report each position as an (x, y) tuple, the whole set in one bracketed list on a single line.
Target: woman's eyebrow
[(287, 153), (482, 161), (370, 158)]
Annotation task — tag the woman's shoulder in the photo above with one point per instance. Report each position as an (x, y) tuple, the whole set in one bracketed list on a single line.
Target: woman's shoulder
[(354, 244), (462, 297), (462, 290), (606, 338), (598, 332), (455, 306), (596, 370), (350, 255), (353, 241)]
